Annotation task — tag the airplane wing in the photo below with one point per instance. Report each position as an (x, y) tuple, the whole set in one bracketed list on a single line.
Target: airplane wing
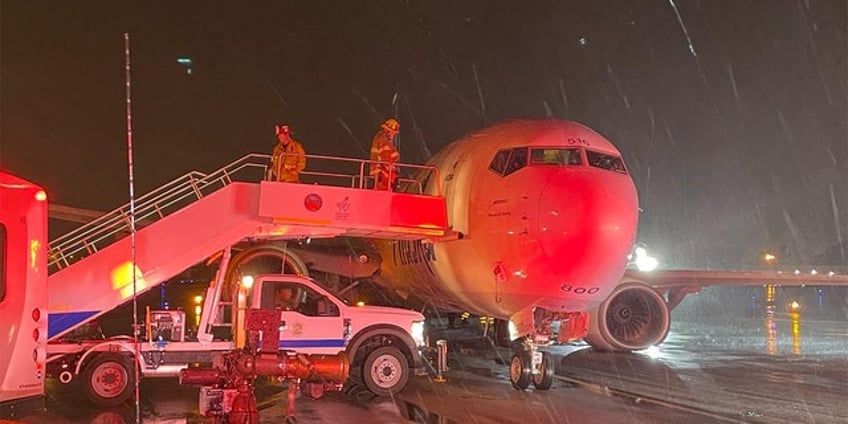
[(679, 283), (701, 278)]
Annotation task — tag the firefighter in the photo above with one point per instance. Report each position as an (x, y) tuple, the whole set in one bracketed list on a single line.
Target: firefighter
[(288, 157), (384, 155)]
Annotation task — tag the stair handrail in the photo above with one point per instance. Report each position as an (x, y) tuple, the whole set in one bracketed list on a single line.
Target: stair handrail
[(149, 207), (192, 186)]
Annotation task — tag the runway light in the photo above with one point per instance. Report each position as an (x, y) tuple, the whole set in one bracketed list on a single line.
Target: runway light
[(769, 258)]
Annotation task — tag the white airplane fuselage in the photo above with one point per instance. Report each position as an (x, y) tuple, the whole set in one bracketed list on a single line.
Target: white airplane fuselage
[(551, 232)]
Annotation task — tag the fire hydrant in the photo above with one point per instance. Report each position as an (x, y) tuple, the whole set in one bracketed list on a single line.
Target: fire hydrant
[(227, 392)]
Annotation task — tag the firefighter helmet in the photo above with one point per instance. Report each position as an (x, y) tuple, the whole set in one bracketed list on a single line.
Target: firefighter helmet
[(391, 125), (283, 129)]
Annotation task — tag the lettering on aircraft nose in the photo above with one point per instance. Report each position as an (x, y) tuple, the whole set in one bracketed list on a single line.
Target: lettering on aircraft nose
[(408, 252), (568, 288)]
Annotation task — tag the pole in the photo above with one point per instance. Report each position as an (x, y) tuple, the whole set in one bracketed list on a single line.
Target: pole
[(395, 106), (132, 225)]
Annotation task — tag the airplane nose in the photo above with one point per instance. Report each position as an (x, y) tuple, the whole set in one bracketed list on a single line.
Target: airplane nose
[(587, 225)]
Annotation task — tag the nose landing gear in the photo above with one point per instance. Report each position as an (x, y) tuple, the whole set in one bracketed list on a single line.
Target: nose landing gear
[(531, 365)]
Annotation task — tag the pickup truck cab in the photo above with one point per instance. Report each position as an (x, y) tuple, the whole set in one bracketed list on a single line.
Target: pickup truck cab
[(384, 344)]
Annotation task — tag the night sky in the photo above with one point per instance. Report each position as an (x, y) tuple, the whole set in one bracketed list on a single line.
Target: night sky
[(732, 115)]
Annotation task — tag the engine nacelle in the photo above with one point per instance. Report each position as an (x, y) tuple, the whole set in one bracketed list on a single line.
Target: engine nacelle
[(633, 317)]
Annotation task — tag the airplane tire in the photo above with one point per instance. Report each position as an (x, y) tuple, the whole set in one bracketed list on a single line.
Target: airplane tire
[(545, 378), (385, 371), (519, 370), (108, 380)]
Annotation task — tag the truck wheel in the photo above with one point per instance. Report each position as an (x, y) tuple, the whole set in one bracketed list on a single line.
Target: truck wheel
[(385, 371), (108, 380)]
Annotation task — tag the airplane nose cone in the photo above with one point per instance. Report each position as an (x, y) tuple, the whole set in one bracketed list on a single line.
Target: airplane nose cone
[(587, 225)]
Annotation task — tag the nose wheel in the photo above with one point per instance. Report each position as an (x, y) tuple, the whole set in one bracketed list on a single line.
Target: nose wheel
[(543, 379), (531, 366), (520, 371)]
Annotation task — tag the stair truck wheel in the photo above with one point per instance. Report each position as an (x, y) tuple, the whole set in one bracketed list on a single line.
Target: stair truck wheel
[(385, 371), (108, 380)]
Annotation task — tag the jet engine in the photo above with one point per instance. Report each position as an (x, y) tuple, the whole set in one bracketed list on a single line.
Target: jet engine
[(633, 317)]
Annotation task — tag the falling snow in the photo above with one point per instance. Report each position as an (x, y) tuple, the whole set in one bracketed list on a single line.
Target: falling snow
[(731, 115)]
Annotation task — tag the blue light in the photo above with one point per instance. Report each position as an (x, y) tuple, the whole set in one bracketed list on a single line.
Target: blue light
[(184, 61)]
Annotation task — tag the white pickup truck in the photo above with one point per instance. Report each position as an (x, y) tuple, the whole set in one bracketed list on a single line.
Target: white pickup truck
[(384, 344)]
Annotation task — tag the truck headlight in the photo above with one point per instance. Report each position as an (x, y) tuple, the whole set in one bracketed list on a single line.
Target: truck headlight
[(417, 332)]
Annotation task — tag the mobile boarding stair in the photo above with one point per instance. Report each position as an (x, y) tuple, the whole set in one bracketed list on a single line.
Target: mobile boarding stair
[(191, 218)]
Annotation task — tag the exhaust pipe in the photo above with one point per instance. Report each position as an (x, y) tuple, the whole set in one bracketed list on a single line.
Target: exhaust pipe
[(65, 377)]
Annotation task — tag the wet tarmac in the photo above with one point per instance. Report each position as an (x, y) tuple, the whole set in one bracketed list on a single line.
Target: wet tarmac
[(760, 370), (742, 370)]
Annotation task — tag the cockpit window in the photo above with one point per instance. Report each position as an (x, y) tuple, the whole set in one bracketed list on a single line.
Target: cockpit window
[(604, 161), (554, 156), (508, 161), (499, 162), (517, 160)]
